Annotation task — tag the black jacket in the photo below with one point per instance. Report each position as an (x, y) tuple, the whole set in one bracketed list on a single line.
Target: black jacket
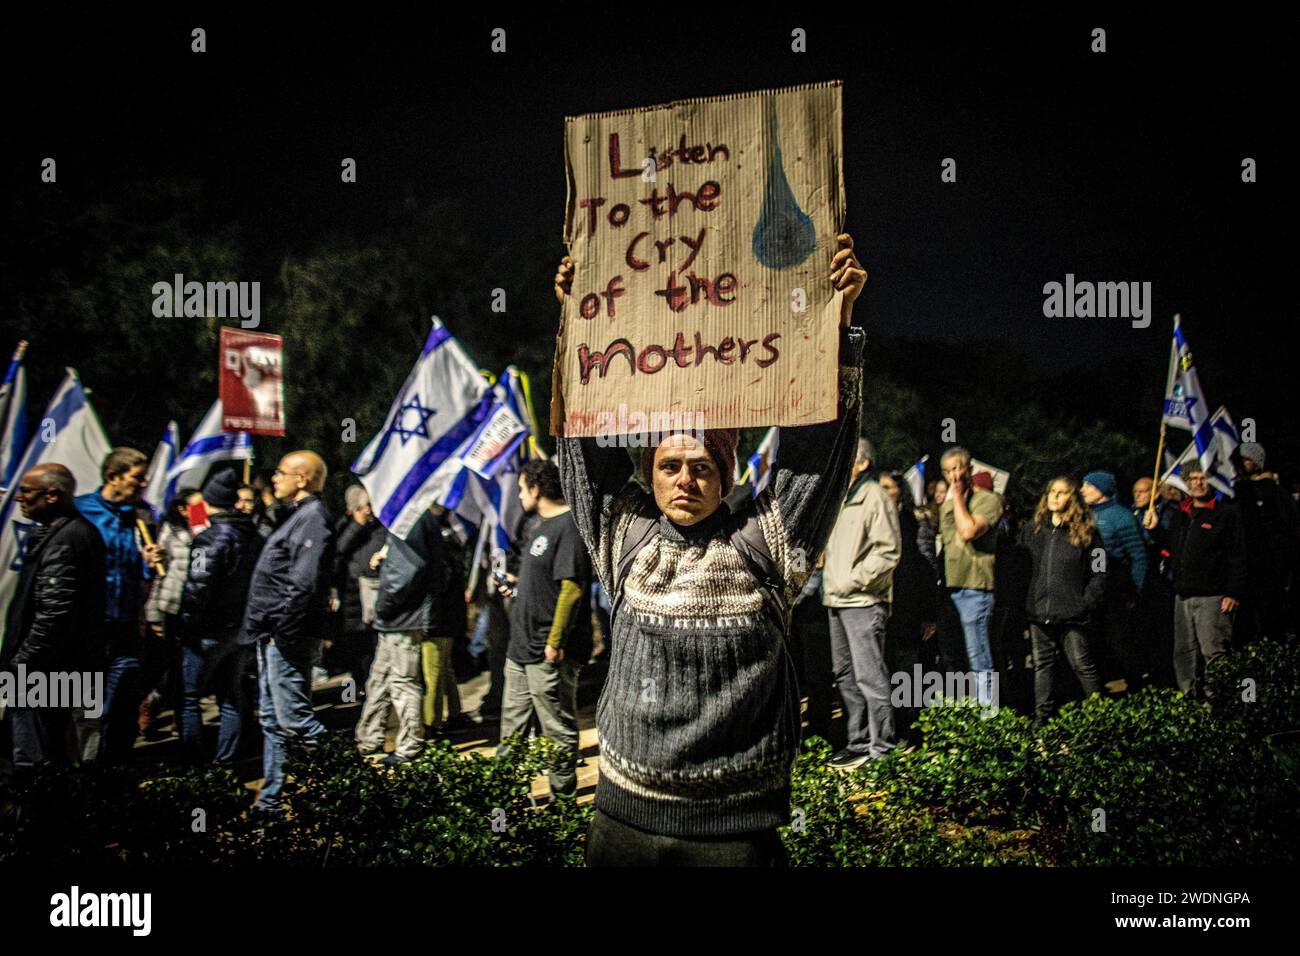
[(56, 618), (422, 583), (356, 544), (1208, 548), (1271, 527), (1065, 588), (288, 598), (222, 559)]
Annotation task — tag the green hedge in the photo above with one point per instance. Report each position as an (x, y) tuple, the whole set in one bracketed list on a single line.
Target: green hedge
[(1178, 784)]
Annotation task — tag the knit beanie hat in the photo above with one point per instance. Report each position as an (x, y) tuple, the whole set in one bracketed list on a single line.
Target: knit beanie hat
[(1103, 481), (222, 489), (982, 480), (1254, 451), (720, 443)]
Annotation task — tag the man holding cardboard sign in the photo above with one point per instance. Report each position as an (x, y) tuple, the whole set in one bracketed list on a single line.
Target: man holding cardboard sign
[(699, 718)]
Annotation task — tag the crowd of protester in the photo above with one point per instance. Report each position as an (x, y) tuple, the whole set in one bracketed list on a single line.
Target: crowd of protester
[(833, 580)]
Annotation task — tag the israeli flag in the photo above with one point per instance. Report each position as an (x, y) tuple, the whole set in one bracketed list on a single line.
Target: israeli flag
[(914, 478), (446, 429), (208, 445), (493, 503), (164, 456), (1219, 472), (759, 469), (1185, 405), (70, 434), (13, 417)]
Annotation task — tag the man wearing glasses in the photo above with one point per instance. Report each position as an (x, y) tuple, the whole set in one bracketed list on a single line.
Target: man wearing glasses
[(287, 603)]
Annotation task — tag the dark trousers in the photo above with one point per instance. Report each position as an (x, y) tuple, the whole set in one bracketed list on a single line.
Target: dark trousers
[(41, 735), (160, 665), (810, 633), (1124, 647), (903, 652), (1050, 642), (1263, 612), (611, 843), (1154, 630)]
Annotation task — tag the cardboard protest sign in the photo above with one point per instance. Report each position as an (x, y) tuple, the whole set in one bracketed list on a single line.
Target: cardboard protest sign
[(251, 382), (702, 233)]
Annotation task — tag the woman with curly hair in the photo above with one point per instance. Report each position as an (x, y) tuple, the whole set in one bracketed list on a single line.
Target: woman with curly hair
[(1067, 588)]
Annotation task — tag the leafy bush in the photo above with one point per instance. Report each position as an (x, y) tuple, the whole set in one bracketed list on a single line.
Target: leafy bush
[(443, 808), (1149, 779)]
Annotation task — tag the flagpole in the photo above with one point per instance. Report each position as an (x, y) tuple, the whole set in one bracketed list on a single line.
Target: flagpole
[(248, 464), (1155, 478)]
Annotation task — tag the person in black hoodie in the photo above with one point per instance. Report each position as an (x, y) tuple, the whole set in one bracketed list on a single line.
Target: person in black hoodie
[(1066, 590), (212, 609), (1208, 547), (55, 619)]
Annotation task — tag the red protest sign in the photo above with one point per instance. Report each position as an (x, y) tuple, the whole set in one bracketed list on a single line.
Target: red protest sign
[(251, 374)]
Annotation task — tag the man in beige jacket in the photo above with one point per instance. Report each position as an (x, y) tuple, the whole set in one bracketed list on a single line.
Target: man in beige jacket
[(858, 584)]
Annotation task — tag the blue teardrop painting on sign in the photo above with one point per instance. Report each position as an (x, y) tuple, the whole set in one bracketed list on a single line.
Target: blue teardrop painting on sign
[(785, 235)]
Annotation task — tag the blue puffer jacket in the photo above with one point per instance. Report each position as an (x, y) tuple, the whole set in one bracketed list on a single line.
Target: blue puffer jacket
[(221, 569), (1121, 536), (289, 594), (126, 567)]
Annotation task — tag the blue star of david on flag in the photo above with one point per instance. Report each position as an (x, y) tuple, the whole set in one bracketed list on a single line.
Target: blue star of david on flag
[(413, 410)]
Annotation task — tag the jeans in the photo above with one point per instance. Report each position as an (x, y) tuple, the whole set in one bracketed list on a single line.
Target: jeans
[(612, 843), (209, 664), (862, 675), (284, 699), (1048, 642), (975, 609), (550, 692), (41, 735), (122, 694), (1202, 634)]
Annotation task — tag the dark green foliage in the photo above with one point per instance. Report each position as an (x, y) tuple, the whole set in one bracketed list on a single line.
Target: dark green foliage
[(1179, 783)]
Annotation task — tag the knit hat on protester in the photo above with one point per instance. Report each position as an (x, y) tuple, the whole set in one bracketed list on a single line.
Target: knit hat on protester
[(222, 489), (1254, 451), (1103, 481), (720, 443)]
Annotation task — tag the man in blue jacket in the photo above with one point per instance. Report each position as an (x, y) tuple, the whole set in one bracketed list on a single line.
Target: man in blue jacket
[(1126, 556), (115, 510), (287, 604)]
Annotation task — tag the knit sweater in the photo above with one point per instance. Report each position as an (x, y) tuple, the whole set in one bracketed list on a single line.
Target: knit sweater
[(698, 722)]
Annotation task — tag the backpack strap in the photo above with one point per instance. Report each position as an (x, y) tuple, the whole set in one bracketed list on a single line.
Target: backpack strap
[(747, 538), (639, 533)]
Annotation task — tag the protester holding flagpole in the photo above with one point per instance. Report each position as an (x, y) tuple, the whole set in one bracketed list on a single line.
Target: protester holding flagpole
[(115, 509)]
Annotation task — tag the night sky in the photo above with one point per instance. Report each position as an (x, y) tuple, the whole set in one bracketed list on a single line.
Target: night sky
[(1122, 166)]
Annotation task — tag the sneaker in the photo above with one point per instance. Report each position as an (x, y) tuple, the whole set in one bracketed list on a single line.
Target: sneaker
[(377, 751), (849, 759), (393, 760)]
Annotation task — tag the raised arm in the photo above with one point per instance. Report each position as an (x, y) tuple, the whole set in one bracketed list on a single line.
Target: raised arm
[(800, 504)]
